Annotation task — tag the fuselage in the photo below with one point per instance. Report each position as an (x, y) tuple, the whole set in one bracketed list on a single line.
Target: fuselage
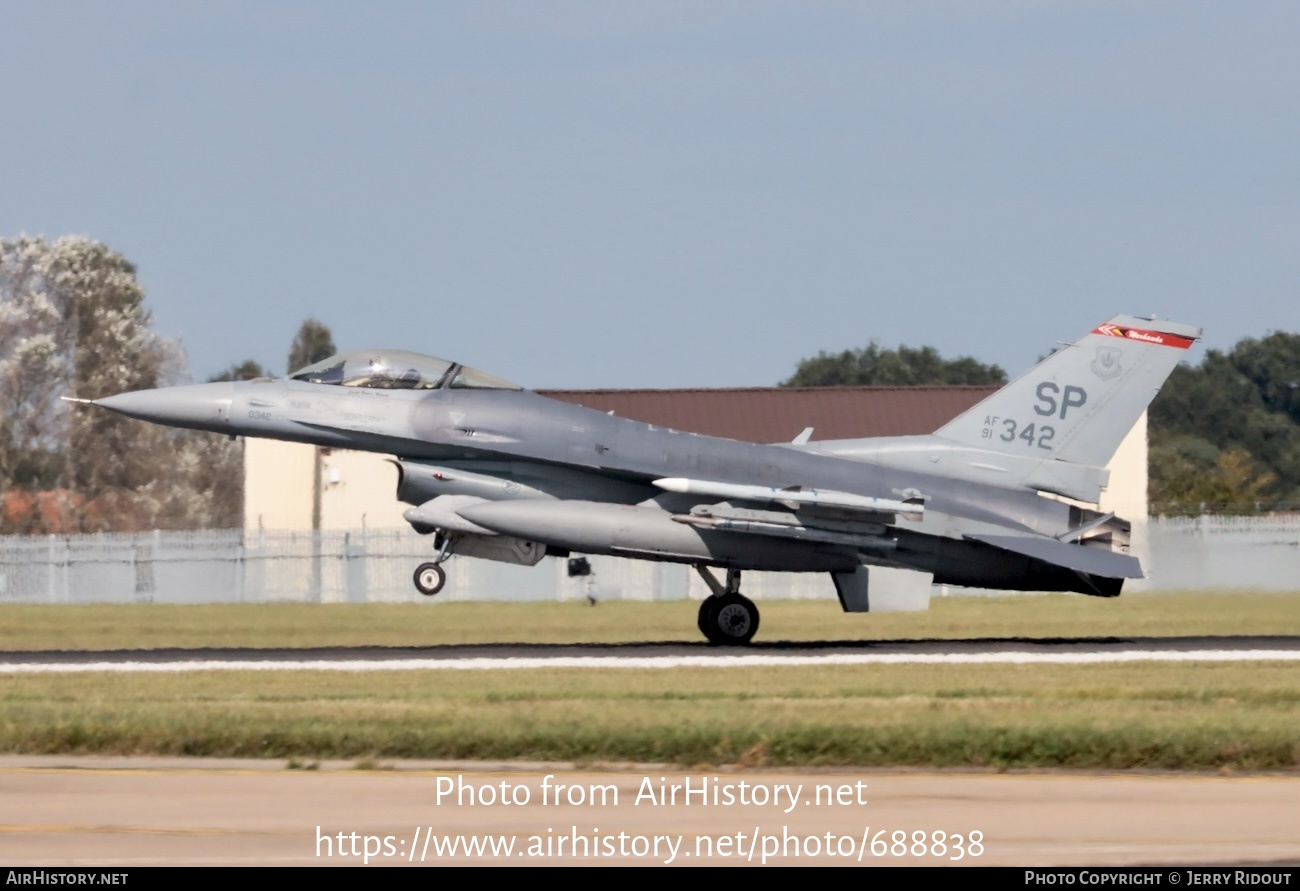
[(597, 459), (473, 425), (512, 475)]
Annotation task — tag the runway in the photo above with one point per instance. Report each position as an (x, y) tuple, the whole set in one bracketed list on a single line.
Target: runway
[(663, 655)]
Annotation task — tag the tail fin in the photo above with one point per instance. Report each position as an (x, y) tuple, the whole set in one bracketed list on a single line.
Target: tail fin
[(1080, 402)]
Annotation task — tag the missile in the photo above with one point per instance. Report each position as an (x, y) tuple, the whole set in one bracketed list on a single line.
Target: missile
[(912, 509), (868, 541)]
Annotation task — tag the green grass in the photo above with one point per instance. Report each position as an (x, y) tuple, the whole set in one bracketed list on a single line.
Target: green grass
[(1181, 716), (27, 627), (1152, 716)]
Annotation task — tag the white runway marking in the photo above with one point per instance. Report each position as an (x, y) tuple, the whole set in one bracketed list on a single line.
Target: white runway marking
[(644, 662)]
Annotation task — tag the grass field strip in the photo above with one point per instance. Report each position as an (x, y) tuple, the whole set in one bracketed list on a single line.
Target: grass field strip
[(647, 662)]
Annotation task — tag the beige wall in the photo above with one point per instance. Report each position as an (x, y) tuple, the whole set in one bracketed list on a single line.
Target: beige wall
[(278, 487), (357, 489), (1126, 494)]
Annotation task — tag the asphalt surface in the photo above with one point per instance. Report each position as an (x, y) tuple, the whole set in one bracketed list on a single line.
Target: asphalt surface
[(1098, 645)]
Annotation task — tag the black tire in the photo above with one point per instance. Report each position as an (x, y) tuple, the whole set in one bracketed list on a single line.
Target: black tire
[(429, 578), (706, 618), (732, 621)]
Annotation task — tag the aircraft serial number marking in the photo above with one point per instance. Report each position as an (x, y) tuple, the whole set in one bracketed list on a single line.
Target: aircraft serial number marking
[(1033, 435)]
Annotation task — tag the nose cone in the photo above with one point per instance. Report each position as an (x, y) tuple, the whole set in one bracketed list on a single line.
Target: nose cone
[(200, 406)]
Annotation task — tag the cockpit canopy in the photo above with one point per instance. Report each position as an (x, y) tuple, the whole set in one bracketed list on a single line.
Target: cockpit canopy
[(398, 370)]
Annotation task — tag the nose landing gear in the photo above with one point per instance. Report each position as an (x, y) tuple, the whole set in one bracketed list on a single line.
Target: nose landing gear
[(430, 577)]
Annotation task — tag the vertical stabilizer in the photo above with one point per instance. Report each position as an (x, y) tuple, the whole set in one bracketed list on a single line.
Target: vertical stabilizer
[(1080, 402)]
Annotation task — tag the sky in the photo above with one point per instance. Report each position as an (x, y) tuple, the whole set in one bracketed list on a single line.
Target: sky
[(664, 194)]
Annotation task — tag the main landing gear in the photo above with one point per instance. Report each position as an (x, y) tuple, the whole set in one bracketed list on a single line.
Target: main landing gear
[(727, 617), (430, 577)]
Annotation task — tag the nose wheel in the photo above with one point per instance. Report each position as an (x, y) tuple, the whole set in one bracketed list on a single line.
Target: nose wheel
[(430, 577), (726, 617)]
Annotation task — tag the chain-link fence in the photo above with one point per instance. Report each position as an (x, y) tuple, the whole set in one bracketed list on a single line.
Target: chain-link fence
[(376, 565), (233, 566), (358, 566), (1259, 552)]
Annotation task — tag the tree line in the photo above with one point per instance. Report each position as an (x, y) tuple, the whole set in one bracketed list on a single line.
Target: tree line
[(1224, 434), (73, 323)]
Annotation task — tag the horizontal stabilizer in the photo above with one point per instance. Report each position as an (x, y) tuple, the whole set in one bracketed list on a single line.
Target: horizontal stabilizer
[(1093, 561)]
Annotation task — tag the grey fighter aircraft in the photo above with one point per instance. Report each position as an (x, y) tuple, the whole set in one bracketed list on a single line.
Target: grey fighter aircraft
[(502, 473)]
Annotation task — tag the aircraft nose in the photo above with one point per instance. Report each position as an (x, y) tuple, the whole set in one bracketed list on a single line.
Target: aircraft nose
[(201, 406)]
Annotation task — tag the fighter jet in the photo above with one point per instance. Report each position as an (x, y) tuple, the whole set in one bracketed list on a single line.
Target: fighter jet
[(498, 472)]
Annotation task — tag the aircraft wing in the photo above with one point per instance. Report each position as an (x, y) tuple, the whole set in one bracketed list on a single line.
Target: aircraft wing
[(862, 521)]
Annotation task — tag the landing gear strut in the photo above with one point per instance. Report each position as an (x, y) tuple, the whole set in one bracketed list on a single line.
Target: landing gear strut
[(430, 577), (727, 617)]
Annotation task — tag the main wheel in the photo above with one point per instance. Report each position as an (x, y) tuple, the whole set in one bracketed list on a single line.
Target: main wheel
[(706, 618), (429, 579), (732, 621)]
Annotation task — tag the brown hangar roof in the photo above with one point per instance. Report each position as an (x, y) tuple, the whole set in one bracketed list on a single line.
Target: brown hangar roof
[(778, 414)]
